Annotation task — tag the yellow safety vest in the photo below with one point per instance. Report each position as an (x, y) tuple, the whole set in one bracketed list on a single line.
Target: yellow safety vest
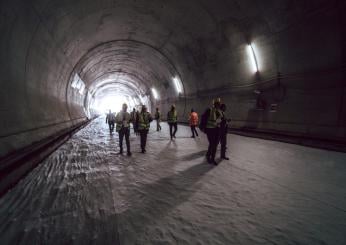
[(143, 121), (172, 116), (119, 120)]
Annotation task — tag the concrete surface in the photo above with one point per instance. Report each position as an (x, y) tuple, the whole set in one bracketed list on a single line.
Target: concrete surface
[(267, 193)]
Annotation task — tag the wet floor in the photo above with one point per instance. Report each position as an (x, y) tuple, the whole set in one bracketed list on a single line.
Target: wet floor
[(267, 193)]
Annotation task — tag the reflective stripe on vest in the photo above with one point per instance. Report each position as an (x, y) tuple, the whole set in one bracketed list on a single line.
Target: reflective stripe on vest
[(172, 116), (143, 121)]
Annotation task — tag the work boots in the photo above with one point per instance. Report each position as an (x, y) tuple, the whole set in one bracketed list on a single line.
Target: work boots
[(224, 157)]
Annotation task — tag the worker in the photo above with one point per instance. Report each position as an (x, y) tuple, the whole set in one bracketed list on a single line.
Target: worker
[(142, 125), (123, 120), (133, 119), (213, 130), (158, 119), (223, 131), (172, 120), (110, 119), (193, 119)]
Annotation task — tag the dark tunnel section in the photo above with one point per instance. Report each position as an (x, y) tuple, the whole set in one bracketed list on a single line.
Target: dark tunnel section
[(278, 65)]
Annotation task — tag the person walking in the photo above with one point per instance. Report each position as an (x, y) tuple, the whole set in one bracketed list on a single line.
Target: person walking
[(158, 119), (110, 119), (193, 119), (172, 120), (142, 125), (213, 130), (133, 119), (223, 131), (123, 120)]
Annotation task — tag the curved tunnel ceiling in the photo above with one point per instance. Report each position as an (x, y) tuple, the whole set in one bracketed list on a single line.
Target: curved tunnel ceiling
[(133, 66), (193, 35), (151, 29)]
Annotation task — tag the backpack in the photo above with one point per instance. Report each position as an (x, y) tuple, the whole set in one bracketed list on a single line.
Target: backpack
[(204, 120)]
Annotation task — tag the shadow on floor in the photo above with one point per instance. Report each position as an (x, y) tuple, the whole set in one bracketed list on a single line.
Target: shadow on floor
[(153, 201), (167, 148), (193, 156)]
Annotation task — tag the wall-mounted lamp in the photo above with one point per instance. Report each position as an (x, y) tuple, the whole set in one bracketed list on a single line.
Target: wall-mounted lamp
[(252, 55), (177, 84), (155, 94)]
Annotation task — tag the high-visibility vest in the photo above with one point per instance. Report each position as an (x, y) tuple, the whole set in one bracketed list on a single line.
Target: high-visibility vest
[(193, 119), (213, 116), (172, 116), (143, 120), (122, 120)]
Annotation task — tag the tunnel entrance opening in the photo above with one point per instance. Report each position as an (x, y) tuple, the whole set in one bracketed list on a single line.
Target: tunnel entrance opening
[(113, 97), (111, 103), (115, 90), (126, 71)]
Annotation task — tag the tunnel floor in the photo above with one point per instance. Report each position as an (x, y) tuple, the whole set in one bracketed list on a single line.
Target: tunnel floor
[(267, 193)]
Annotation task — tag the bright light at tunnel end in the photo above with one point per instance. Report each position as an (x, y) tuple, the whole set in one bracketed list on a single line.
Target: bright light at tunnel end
[(113, 103), (155, 94), (253, 58)]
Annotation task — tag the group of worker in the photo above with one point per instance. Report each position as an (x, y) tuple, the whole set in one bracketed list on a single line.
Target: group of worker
[(214, 123), (141, 121), (216, 128)]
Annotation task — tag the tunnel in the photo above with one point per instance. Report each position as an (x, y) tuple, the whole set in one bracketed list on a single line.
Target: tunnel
[(279, 66)]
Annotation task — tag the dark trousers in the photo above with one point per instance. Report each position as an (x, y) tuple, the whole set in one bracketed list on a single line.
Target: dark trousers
[(171, 126), (213, 138), (223, 142), (134, 128), (193, 130), (124, 132), (144, 134), (111, 126), (158, 126)]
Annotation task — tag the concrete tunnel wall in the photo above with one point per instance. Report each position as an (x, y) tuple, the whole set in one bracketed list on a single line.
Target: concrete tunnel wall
[(300, 49)]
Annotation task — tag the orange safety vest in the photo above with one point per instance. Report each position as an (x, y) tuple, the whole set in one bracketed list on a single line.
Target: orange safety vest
[(193, 119)]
